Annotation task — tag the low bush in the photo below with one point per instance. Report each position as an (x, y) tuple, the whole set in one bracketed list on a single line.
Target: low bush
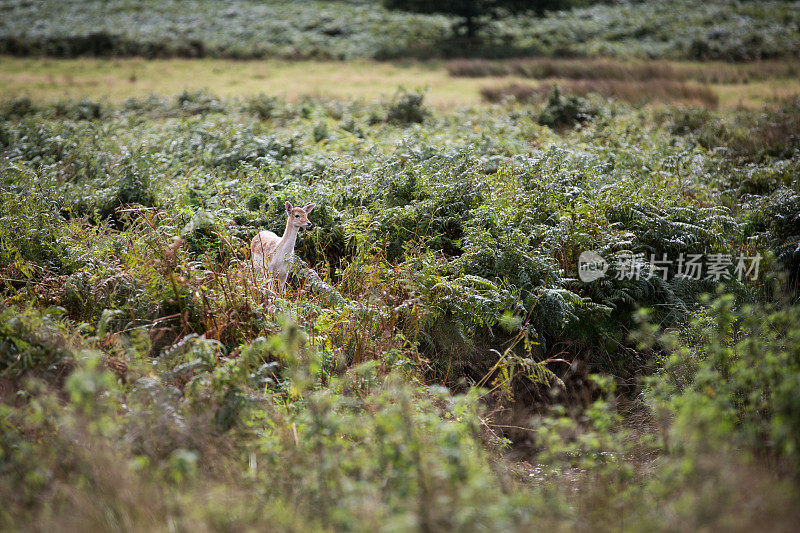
[(629, 71), (565, 111), (517, 92), (750, 136), (661, 91), (407, 108)]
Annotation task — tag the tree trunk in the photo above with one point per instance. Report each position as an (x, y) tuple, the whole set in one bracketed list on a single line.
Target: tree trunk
[(469, 22)]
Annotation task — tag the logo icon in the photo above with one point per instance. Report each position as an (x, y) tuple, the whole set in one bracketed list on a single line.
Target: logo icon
[(591, 266)]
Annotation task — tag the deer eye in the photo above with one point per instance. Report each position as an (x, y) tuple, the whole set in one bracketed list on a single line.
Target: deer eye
[(297, 216)]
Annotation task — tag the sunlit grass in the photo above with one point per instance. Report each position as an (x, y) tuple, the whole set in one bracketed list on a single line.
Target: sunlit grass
[(119, 79)]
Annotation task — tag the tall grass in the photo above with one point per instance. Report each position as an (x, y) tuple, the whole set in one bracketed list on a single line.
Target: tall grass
[(635, 92), (632, 71)]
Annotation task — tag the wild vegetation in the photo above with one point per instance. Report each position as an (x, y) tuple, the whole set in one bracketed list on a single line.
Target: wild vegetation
[(657, 90), (728, 30), (627, 71), (437, 362)]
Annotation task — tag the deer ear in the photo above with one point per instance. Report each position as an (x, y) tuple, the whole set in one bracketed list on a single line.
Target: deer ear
[(310, 207), (288, 208)]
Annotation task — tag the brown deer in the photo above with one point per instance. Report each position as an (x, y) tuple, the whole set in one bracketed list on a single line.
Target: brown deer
[(271, 254)]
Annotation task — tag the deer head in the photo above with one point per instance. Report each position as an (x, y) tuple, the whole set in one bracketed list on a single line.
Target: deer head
[(298, 216)]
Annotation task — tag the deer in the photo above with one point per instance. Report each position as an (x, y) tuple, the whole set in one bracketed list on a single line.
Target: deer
[(271, 254)]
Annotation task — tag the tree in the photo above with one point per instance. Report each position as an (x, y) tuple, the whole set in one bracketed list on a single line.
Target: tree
[(471, 11)]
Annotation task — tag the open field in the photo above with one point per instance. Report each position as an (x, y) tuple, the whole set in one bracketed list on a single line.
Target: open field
[(118, 79)]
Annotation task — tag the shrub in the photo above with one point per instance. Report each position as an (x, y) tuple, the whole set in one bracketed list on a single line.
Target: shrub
[(83, 109), (263, 106), (740, 368), (604, 69), (198, 103), (17, 108), (30, 225), (776, 219), (520, 93), (33, 343), (634, 92), (565, 111), (407, 108), (752, 136)]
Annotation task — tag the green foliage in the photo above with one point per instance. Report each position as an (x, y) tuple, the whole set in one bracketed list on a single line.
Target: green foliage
[(30, 219), (748, 136), (729, 30), (565, 111), (732, 381), (367, 449), (262, 106), (444, 253), (407, 108), (473, 10), (17, 108), (775, 219), (499, 227), (33, 343)]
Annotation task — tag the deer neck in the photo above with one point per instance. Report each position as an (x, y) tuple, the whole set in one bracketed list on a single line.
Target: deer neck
[(287, 242)]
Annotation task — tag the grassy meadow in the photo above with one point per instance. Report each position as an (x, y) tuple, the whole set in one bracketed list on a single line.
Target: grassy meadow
[(448, 83), (439, 361)]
